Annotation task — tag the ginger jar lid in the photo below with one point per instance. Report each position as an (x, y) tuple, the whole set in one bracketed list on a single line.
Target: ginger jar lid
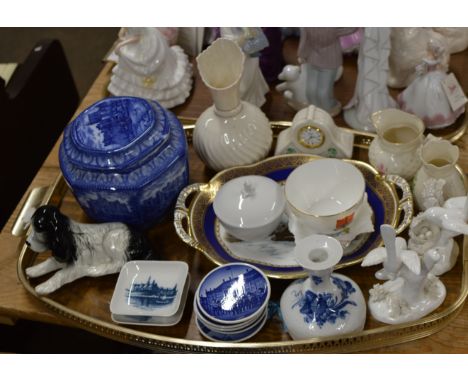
[(116, 132), (249, 201)]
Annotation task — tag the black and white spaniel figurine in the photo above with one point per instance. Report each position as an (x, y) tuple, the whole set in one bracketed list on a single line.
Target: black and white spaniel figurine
[(80, 249)]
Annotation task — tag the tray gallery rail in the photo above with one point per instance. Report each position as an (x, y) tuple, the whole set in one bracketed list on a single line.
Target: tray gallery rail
[(85, 303)]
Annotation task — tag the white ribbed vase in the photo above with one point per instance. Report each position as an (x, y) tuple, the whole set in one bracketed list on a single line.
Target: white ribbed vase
[(231, 132)]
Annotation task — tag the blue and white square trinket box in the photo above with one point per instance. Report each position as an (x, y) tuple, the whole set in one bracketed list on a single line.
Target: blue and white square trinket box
[(150, 293)]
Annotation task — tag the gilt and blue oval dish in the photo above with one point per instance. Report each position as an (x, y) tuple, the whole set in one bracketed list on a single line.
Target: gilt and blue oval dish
[(125, 159), (233, 293)]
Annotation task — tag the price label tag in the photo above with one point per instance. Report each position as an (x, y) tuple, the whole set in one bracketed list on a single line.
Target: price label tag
[(454, 92)]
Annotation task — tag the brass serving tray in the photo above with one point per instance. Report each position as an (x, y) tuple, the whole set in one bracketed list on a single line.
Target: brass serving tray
[(85, 302)]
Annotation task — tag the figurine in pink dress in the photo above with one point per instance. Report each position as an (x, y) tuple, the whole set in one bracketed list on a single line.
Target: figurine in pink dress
[(425, 96), (320, 51)]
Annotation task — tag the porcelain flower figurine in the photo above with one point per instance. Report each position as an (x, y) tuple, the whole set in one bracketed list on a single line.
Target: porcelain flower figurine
[(413, 294), (253, 86), (433, 230), (149, 68), (411, 291), (408, 48), (425, 96), (371, 92)]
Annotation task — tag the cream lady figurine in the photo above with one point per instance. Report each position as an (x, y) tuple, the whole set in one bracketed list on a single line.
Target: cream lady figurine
[(149, 68)]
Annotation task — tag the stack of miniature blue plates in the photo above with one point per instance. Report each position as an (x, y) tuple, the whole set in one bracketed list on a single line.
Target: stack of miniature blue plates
[(231, 302)]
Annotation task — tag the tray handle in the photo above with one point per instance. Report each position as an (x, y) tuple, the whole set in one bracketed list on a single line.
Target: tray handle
[(34, 200), (182, 212), (405, 204)]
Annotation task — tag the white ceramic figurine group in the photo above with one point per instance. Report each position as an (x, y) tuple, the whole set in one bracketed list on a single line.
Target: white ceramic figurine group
[(412, 289)]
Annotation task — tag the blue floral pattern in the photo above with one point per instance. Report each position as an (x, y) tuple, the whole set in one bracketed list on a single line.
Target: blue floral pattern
[(317, 280), (326, 307)]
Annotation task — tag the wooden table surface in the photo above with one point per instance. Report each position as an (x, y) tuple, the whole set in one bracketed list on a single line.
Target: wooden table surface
[(17, 303)]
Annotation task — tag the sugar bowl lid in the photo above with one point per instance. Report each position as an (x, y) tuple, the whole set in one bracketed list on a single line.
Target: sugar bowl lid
[(249, 201), (115, 132)]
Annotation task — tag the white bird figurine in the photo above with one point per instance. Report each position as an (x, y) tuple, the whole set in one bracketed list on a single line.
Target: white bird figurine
[(452, 217), (393, 255)]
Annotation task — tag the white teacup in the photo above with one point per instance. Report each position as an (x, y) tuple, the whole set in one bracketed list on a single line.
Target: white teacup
[(324, 195)]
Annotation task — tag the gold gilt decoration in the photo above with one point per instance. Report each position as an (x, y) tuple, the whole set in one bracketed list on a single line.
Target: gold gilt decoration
[(149, 81), (310, 136)]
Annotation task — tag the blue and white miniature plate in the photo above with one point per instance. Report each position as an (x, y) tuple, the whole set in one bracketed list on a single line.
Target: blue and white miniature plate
[(227, 328), (233, 293), (231, 337), (149, 288)]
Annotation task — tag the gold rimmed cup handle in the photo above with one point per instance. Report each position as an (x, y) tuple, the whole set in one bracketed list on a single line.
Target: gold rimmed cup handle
[(405, 203), (182, 212)]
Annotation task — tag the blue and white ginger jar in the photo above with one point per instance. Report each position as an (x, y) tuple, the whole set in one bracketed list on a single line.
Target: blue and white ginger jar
[(326, 303), (125, 159)]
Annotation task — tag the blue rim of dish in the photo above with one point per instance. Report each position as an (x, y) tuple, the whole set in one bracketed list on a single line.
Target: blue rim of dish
[(376, 203), (253, 302), (226, 337)]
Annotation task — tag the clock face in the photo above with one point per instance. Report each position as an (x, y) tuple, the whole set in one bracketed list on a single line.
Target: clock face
[(310, 136)]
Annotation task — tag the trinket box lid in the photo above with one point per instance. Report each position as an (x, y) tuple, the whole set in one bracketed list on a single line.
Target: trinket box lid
[(149, 288), (249, 201)]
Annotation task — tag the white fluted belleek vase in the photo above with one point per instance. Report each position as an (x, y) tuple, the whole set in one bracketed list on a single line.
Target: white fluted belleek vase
[(231, 132)]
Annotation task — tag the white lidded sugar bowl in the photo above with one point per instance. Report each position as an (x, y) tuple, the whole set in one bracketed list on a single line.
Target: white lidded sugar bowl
[(250, 207), (326, 303)]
